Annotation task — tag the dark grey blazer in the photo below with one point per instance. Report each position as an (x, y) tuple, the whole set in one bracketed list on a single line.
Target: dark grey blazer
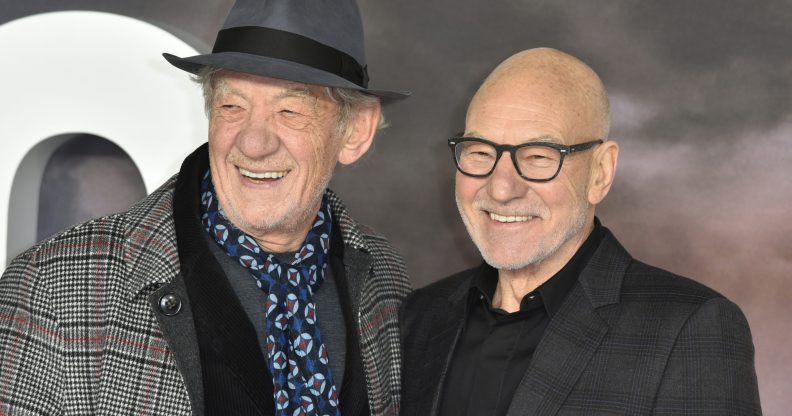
[(629, 339)]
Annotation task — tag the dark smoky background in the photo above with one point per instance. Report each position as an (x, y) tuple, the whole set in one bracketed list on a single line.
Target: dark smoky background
[(701, 94)]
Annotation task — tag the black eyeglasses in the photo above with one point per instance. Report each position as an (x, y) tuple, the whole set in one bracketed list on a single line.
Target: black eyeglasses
[(534, 161)]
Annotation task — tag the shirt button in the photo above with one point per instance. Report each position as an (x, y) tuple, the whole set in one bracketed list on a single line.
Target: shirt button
[(170, 304)]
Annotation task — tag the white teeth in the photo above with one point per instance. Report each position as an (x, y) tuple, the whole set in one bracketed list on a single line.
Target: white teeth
[(511, 218), (263, 175)]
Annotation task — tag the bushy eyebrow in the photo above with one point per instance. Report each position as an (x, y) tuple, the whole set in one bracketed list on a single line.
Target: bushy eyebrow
[(301, 92), (291, 91), (296, 91), (222, 89)]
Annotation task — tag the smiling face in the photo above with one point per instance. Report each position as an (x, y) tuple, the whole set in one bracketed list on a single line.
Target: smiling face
[(273, 145), (513, 222), (522, 225)]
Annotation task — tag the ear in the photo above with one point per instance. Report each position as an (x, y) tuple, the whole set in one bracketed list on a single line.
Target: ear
[(603, 170), (360, 134)]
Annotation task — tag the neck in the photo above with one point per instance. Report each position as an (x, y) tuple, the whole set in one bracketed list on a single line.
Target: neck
[(284, 239), (279, 244), (513, 285)]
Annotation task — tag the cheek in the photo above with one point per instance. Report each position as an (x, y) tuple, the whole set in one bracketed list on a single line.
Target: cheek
[(324, 151), (565, 195), (221, 139), (466, 190)]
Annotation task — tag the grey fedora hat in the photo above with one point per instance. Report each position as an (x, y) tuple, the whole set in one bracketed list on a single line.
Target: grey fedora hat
[(308, 41)]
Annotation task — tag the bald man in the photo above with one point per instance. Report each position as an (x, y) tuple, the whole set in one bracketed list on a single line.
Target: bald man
[(559, 319)]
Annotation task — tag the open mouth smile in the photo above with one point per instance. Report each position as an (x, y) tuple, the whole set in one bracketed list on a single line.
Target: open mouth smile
[(266, 176), (510, 218)]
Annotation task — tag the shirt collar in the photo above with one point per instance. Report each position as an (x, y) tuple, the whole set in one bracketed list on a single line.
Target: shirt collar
[(554, 290)]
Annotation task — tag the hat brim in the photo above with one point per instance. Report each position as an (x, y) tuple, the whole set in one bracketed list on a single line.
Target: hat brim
[(276, 68)]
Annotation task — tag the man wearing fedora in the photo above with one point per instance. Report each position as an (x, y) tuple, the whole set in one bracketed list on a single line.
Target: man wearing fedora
[(241, 286)]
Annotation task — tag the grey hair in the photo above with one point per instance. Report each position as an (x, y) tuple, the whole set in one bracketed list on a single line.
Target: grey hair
[(349, 100)]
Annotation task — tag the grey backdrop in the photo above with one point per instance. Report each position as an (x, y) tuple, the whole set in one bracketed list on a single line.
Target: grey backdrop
[(702, 102)]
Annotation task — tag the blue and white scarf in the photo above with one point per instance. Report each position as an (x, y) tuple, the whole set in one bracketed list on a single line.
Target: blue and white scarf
[(297, 358)]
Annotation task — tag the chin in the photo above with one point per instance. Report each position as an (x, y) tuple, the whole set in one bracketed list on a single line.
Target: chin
[(508, 263), (511, 254)]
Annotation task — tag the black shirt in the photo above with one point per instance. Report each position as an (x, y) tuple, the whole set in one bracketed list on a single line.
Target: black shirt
[(495, 347)]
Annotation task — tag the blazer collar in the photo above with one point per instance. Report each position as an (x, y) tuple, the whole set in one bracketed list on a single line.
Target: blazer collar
[(571, 338), (601, 279), (573, 335)]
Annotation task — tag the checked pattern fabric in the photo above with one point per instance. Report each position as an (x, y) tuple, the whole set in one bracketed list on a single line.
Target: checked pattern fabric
[(297, 357)]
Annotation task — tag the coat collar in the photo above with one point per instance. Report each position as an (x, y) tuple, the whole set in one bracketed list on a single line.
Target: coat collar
[(351, 232), (151, 256)]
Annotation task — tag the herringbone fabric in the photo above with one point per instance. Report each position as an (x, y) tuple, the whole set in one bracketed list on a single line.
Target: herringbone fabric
[(78, 336), (378, 312)]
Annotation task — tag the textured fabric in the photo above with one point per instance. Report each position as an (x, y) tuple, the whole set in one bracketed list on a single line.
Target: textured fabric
[(297, 357), (78, 335), (214, 305), (629, 339), (332, 320), (495, 347)]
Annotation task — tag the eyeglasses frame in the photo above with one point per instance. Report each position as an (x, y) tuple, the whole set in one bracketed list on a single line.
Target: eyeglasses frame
[(512, 149)]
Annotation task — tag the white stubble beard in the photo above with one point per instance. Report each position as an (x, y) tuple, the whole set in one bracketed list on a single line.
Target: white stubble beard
[(543, 249)]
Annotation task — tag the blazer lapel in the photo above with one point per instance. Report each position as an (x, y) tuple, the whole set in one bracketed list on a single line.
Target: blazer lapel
[(569, 341), (573, 335), (449, 321)]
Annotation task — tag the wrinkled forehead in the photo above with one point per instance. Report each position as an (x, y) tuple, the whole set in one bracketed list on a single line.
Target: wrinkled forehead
[(225, 82), (541, 107)]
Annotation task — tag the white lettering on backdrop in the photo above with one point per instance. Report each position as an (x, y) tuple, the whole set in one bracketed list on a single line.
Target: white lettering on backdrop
[(94, 73)]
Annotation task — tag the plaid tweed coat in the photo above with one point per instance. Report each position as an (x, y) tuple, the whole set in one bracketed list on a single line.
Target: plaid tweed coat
[(80, 329), (629, 339)]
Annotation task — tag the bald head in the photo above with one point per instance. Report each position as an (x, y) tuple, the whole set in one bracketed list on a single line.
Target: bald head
[(525, 221), (552, 80)]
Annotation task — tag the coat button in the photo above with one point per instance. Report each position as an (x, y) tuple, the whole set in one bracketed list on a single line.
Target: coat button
[(170, 304)]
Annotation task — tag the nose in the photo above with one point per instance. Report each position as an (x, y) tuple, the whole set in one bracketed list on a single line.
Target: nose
[(504, 183), (258, 138)]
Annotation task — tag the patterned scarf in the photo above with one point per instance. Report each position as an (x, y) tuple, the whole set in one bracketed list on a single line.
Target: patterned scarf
[(297, 358)]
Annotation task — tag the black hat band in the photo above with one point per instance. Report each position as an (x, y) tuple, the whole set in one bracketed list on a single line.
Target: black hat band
[(292, 47)]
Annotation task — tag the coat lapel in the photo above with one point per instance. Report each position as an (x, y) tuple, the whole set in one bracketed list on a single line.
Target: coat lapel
[(350, 268), (356, 267), (178, 329), (212, 300), (154, 271), (573, 335)]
